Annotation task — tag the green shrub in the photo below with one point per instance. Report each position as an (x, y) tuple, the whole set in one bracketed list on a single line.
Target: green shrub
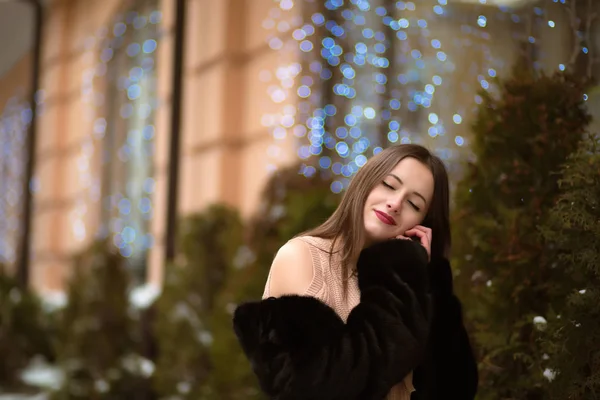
[(99, 350), (25, 331), (572, 338), (207, 246), (520, 137)]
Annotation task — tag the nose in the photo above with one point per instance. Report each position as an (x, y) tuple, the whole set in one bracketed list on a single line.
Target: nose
[(394, 205)]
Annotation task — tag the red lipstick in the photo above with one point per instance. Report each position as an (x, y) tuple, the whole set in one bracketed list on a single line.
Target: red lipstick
[(385, 218)]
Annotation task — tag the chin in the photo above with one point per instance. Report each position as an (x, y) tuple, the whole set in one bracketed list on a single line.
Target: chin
[(378, 233), (382, 238)]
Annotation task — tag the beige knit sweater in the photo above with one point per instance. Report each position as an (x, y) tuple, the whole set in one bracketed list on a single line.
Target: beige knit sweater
[(327, 286)]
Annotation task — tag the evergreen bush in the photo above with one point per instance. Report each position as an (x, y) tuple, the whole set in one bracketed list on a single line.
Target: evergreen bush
[(25, 331), (99, 349), (520, 137), (207, 246), (572, 338)]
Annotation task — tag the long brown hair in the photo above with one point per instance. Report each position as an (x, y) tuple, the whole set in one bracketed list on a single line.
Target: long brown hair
[(346, 224)]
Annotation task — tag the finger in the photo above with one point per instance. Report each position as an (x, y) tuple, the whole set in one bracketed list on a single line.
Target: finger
[(425, 241), (418, 234), (402, 237), (424, 238), (427, 231), (415, 232), (424, 229)]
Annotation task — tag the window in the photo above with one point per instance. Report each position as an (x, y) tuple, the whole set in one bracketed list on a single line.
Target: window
[(14, 125), (127, 180)]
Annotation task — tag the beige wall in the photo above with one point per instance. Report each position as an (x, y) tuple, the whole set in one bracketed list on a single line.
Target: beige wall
[(224, 142)]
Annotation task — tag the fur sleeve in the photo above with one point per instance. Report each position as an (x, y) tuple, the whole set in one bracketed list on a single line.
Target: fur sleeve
[(451, 366), (300, 349)]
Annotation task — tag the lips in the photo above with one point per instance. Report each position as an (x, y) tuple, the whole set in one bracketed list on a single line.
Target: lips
[(386, 219)]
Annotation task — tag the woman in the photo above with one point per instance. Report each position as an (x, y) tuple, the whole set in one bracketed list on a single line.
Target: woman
[(353, 307)]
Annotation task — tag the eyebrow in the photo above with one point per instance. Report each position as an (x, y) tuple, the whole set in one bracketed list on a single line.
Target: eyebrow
[(416, 193)]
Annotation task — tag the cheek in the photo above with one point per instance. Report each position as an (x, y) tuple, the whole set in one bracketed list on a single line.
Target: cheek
[(410, 220), (371, 201), (377, 195)]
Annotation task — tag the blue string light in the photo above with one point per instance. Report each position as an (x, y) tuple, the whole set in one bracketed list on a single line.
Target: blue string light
[(354, 50)]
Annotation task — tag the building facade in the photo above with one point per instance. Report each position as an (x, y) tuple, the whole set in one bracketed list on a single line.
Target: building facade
[(106, 102)]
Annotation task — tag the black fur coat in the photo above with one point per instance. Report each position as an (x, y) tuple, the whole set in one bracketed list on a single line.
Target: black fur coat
[(300, 349), (449, 369)]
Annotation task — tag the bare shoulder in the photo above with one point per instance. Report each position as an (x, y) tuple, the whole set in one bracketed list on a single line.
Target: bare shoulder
[(292, 270)]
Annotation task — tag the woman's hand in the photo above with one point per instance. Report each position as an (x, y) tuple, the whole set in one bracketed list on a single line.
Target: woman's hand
[(423, 233)]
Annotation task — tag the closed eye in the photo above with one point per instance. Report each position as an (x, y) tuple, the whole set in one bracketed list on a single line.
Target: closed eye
[(413, 205)]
